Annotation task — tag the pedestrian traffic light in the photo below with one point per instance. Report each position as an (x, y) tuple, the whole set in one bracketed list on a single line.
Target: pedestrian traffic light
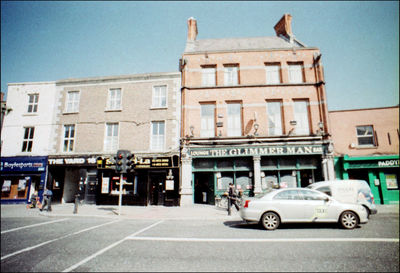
[(100, 163)]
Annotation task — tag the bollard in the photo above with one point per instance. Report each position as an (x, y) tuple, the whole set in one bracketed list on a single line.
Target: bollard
[(76, 204)]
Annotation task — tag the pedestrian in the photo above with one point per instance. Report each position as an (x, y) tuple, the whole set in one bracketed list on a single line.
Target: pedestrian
[(232, 198), (47, 194), (34, 200)]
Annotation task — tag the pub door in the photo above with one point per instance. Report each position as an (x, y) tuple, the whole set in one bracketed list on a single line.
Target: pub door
[(157, 188)]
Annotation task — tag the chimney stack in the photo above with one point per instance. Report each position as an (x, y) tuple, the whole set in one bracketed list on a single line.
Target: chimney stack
[(284, 26), (192, 29)]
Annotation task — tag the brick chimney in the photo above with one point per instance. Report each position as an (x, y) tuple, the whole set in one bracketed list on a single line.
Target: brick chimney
[(284, 26), (192, 29)]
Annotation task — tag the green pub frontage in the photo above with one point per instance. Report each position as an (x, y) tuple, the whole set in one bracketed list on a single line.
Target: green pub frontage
[(381, 172), (253, 168)]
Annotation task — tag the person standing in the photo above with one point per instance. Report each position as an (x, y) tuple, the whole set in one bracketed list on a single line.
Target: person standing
[(47, 195), (232, 198)]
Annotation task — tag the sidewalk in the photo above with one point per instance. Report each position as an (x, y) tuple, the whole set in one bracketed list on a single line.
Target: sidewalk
[(193, 212)]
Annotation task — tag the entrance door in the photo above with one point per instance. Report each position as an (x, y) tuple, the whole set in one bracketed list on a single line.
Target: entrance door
[(157, 188), (204, 188), (306, 177)]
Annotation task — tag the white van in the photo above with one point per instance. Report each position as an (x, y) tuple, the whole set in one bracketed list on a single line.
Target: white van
[(348, 191)]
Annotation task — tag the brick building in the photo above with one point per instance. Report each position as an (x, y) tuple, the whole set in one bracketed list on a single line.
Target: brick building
[(254, 113), (366, 146)]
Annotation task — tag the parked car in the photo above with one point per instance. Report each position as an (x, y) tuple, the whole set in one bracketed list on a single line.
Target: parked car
[(292, 205), (348, 191)]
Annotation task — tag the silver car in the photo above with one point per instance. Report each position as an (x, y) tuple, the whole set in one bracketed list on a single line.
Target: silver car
[(292, 205)]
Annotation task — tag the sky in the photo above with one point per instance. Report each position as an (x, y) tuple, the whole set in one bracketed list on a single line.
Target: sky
[(49, 41)]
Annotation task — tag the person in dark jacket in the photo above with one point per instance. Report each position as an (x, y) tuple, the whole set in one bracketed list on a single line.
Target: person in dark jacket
[(232, 198)]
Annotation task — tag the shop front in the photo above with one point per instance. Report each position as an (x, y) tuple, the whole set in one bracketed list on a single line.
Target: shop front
[(252, 169), (153, 181), (71, 176), (381, 172), (21, 177)]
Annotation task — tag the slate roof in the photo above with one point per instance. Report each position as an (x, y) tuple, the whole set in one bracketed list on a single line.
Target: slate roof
[(241, 44)]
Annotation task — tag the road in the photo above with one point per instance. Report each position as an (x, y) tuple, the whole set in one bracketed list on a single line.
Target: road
[(93, 244)]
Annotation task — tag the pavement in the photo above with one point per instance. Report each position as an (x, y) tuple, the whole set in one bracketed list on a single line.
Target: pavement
[(191, 212)]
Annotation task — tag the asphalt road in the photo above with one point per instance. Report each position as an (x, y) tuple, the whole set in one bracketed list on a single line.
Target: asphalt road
[(76, 244)]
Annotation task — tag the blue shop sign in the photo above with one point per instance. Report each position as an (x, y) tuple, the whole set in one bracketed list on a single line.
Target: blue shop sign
[(23, 164)]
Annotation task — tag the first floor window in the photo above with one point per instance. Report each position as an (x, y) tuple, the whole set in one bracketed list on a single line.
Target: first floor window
[(69, 135), (274, 112), (157, 135), (111, 138), (72, 103), (33, 100), (114, 99), (27, 143), (301, 117), (231, 75), (159, 96), (273, 73), (208, 76), (296, 73), (234, 119), (365, 135), (207, 120)]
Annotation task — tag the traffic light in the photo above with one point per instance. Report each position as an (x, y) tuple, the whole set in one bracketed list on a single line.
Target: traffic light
[(100, 163), (123, 161)]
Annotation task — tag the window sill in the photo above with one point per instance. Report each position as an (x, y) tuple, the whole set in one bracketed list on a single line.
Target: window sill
[(70, 113), (30, 114), (158, 108), (113, 110), (363, 147)]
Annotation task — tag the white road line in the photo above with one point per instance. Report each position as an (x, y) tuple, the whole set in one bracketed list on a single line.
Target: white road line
[(253, 240), (34, 225), (50, 241), (69, 269)]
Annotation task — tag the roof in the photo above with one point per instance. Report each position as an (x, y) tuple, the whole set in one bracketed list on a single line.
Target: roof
[(241, 44)]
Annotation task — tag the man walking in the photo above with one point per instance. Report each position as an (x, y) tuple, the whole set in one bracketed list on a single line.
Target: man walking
[(232, 198), (47, 194)]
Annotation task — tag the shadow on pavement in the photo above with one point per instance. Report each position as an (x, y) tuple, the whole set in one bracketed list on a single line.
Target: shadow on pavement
[(245, 225)]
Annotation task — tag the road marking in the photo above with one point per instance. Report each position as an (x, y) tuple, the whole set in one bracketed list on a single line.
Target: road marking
[(53, 240), (253, 240), (34, 225), (69, 269)]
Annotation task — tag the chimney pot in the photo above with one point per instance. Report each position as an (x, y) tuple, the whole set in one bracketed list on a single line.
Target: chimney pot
[(192, 29)]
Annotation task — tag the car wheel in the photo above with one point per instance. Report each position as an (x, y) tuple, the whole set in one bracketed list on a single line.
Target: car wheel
[(349, 220), (270, 221)]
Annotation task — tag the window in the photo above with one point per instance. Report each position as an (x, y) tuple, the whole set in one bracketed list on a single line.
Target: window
[(234, 119), (274, 113), (301, 117), (207, 120), (28, 139), (72, 105), (33, 100), (69, 135), (296, 73), (157, 135), (111, 138), (208, 76), (114, 99), (365, 135), (231, 75), (273, 73), (311, 195), (391, 181), (288, 195), (159, 96)]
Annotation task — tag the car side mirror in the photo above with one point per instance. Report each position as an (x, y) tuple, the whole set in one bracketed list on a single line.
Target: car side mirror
[(326, 199)]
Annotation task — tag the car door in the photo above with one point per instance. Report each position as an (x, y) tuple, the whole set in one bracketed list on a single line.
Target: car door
[(289, 205), (317, 208)]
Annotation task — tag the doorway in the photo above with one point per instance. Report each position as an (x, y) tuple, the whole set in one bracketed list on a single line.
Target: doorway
[(157, 188), (204, 188)]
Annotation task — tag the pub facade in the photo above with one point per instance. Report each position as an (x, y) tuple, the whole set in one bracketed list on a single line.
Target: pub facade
[(254, 113)]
